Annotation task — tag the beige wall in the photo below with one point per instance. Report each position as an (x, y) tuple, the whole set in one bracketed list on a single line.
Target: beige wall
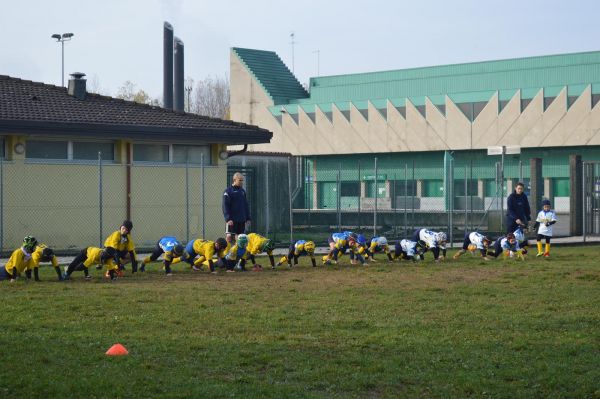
[(58, 203), (534, 127)]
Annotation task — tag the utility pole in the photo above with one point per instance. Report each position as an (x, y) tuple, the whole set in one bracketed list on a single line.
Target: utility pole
[(293, 43)]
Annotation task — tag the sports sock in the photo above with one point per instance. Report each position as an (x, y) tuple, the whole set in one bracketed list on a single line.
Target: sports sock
[(547, 248), (539, 245)]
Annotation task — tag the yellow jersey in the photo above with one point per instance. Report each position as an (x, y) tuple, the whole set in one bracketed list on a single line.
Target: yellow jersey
[(120, 242), (255, 243), (19, 259), (93, 257), (36, 257)]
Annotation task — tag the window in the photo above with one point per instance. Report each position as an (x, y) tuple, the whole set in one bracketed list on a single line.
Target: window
[(191, 153), (40, 149), (350, 189), (151, 152), (402, 188), (89, 150), (459, 187)]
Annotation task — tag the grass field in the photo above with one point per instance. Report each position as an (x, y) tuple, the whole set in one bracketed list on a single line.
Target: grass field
[(469, 328)]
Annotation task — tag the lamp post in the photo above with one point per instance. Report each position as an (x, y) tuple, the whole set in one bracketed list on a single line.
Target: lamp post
[(65, 37)]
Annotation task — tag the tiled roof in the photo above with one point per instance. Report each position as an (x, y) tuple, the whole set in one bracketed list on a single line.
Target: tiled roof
[(26, 103), (270, 71)]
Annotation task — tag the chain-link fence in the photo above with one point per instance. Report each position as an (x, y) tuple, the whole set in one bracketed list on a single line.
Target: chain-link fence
[(454, 193), (74, 205), (70, 205)]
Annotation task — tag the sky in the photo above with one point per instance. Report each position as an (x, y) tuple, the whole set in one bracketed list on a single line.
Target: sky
[(121, 40)]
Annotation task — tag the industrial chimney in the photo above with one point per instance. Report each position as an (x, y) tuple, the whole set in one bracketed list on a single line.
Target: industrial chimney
[(178, 91), (168, 66)]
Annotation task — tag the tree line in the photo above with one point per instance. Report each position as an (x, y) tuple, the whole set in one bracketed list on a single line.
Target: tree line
[(208, 97)]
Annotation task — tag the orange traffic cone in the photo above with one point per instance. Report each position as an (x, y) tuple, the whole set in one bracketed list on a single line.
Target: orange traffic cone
[(117, 350)]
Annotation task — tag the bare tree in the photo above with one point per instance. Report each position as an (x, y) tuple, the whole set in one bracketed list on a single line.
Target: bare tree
[(211, 97), (129, 92), (93, 85)]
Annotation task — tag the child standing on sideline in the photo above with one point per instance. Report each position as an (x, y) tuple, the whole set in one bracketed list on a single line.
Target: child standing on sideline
[(544, 222)]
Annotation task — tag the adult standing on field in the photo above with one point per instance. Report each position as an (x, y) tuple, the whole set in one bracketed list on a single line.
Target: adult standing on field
[(518, 212), (235, 207)]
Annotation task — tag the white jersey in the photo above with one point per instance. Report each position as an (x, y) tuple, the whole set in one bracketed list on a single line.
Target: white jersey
[(546, 217), (379, 241), (477, 239), (429, 237), (409, 247)]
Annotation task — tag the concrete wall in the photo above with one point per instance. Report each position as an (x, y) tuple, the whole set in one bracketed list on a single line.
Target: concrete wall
[(533, 127)]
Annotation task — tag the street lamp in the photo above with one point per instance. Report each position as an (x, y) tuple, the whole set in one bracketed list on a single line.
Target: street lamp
[(65, 37)]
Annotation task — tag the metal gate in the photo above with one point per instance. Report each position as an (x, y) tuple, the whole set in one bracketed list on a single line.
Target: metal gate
[(591, 199)]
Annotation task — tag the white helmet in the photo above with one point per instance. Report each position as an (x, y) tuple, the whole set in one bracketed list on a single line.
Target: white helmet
[(519, 235), (381, 241), (441, 237)]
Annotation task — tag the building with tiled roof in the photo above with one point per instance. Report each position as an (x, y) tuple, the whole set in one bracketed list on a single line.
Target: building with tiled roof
[(75, 164)]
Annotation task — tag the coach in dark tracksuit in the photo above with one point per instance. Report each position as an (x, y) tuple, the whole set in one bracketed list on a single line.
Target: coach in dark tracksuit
[(235, 207), (517, 209)]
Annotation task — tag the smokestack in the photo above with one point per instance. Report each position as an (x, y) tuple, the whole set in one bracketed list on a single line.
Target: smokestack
[(178, 92), (77, 86), (168, 66)]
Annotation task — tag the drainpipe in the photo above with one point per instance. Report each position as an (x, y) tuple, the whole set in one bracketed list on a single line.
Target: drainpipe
[(234, 153)]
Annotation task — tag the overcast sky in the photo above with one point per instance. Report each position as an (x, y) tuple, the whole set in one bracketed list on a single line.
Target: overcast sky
[(119, 40)]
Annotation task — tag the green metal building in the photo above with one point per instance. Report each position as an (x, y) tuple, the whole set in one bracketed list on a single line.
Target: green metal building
[(428, 128)]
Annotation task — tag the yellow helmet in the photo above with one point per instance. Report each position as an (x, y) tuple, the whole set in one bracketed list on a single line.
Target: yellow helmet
[(309, 246)]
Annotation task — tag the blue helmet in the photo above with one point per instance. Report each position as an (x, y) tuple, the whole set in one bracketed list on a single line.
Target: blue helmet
[(361, 239), (546, 202)]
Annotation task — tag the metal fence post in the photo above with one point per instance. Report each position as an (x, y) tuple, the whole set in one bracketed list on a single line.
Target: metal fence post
[(268, 208), (466, 206), (584, 205), (412, 199), (1, 203), (290, 199), (187, 197), (100, 198), (395, 208), (338, 202), (405, 199), (471, 195), (376, 200), (502, 192), (359, 194), (520, 170), (451, 201), (202, 198)]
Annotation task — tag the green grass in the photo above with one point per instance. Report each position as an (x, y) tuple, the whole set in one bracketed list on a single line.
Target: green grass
[(469, 328)]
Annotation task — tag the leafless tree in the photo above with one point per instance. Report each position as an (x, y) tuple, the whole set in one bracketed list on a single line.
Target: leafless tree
[(210, 97), (129, 92), (93, 85)]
